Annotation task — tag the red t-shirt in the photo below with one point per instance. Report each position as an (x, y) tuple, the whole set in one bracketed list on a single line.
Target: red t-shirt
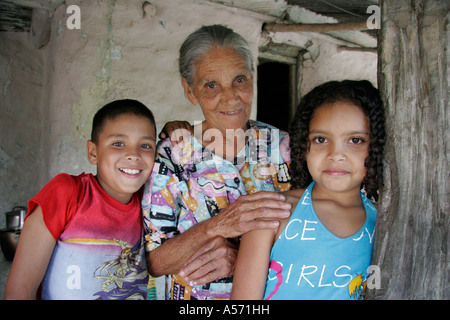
[(99, 251)]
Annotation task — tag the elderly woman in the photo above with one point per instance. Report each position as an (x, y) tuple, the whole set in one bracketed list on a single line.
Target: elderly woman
[(220, 184)]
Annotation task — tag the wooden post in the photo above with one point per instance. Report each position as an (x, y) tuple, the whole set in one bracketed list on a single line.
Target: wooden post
[(412, 233), (318, 27)]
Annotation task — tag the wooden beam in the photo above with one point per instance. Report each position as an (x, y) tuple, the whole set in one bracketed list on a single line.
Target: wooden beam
[(50, 5), (277, 57), (14, 18), (357, 49), (317, 27)]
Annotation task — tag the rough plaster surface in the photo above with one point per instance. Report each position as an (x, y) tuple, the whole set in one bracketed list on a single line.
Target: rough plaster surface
[(22, 80), (335, 63)]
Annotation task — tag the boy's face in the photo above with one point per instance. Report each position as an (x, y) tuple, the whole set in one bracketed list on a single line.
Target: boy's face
[(124, 155)]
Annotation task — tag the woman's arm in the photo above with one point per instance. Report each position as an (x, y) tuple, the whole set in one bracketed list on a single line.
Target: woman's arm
[(261, 210), (170, 257), (31, 258), (252, 265)]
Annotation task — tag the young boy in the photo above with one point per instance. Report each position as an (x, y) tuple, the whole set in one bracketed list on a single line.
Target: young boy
[(82, 238)]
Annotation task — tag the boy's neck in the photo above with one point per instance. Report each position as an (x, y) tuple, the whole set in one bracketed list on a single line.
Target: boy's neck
[(122, 198)]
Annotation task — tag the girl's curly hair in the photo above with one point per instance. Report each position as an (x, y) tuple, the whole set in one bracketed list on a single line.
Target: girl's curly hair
[(359, 93)]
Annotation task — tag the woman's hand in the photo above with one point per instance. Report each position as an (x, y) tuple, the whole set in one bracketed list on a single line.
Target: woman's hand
[(260, 210), (204, 247), (212, 261), (216, 259), (177, 130)]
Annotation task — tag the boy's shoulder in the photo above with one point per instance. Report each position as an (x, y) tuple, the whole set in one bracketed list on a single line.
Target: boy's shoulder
[(67, 186), (58, 200), (67, 180), (63, 178)]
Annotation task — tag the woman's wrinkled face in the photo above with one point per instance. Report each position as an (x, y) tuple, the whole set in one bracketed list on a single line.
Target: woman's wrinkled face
[(223, 86)]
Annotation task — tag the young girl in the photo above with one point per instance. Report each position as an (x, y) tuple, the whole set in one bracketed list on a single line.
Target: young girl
[(324, 249)]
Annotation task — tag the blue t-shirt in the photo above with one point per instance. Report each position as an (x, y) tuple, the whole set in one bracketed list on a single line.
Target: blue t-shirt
[(309, 262)]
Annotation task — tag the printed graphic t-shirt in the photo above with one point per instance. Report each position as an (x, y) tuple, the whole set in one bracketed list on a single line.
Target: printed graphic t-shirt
[(99, 252), (308, 262)]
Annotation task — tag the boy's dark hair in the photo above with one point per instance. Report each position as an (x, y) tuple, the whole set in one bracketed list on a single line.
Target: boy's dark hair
[(115, 109), (359, 93)]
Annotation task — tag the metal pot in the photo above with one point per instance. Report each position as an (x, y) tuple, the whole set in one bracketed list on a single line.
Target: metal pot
[(9, 237), (15, 218), (8, 240)]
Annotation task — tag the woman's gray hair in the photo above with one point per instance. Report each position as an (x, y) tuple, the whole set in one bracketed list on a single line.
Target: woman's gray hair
[(204, 39)]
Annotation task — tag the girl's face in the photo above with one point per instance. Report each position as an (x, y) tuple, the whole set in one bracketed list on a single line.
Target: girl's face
[(339, 145)]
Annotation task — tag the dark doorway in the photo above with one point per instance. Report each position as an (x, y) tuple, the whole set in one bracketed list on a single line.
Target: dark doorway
[(273, 94)]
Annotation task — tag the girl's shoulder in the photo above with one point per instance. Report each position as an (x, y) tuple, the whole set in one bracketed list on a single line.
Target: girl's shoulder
[(293, 197)]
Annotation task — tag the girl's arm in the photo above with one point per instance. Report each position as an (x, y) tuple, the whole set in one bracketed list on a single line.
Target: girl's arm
[(252, 265), (31, 259)]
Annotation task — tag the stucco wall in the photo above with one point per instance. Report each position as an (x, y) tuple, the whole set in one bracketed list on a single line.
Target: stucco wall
[(23, 120), (335, 62)]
